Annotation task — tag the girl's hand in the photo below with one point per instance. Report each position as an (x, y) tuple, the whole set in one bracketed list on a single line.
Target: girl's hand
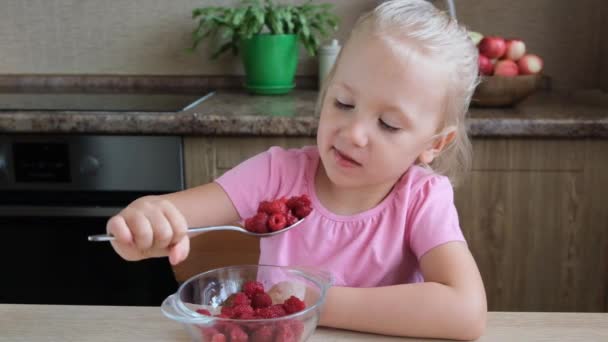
[(150, 226)]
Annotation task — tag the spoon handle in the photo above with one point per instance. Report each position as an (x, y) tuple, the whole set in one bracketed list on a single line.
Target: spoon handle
[(107, 237)]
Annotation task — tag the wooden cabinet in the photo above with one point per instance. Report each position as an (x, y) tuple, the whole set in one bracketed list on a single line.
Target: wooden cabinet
[(533, 212), (208, 158)]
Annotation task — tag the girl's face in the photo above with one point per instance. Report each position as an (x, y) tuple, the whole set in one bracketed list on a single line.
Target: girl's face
[(381, 110)]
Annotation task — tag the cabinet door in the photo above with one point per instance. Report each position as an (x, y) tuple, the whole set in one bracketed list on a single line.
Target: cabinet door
[(529, 213), (206, 159)]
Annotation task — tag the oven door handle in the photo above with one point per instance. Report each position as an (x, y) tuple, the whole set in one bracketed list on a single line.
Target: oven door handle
[(57, 211)]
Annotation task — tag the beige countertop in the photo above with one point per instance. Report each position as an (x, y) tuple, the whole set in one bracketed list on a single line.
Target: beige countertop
[(580, 114), (33, 323)]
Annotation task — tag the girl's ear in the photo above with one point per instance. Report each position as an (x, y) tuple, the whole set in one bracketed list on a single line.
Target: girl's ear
[(439, 143)]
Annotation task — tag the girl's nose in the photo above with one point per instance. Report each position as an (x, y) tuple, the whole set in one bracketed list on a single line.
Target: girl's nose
[(356, 132)]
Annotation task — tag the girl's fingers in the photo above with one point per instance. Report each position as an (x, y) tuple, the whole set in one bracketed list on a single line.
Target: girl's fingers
[(117, 226), (141, 229), (179, 252), (162, 233), (176, 220)]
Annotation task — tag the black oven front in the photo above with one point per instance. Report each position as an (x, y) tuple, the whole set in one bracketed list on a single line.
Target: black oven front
[(57, 190)]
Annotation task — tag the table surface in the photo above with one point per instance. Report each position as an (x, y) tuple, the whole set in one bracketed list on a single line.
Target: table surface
[(34, 323)]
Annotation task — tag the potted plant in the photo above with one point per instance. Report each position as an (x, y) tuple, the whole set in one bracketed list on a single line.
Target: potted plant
[(266, 36)]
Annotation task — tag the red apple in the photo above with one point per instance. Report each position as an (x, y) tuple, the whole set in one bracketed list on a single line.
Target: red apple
[(516, 49), (530, 64), (506, 67), (486, 67), (492, 47)]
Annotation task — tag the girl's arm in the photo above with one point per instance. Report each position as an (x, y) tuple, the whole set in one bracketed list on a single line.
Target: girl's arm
[(205, 205), (155, 226), (451, 303)]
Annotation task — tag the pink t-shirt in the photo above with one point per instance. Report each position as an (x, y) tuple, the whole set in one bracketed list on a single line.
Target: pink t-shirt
[(378, 247)]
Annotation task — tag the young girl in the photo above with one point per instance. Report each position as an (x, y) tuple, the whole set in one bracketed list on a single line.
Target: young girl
[(391, 136)]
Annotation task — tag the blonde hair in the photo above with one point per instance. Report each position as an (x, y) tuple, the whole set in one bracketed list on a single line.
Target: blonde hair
[(448, 42)]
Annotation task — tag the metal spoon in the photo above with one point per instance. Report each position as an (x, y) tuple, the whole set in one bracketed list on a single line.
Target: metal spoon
[(107, 237)]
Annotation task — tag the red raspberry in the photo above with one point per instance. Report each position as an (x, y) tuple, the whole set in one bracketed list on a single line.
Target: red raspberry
[(218, 338), (203, 312), (228, 311), (302, 211), (298, 201), (208, 333), (225, 327), (263, 334), (293, 304), (252, 287), (222, 316), (240, 298), (237, 334), (263, 207), (257, 223), (239, 310), (297, 327), (275, 207), (277, 222), (291, 219), (261, 300), (284, 334), (248, 316), (272, 311)]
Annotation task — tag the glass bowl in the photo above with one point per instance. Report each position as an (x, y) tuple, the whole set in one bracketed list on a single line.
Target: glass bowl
[(209, 290)]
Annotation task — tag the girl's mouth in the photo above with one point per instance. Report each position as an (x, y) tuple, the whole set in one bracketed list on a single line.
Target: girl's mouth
[(344, 160)]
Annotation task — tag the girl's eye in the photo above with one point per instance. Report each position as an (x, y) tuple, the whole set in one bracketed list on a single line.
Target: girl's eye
[(386, 126), (343, 106)]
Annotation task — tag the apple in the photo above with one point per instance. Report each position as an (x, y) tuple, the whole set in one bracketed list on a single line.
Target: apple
[(516, 49), (486, 67), (476, 37), (492, 47), (506, 67), (530, 64)]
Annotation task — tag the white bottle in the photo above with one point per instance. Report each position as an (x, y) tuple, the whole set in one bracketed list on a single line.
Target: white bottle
[(327, 58)]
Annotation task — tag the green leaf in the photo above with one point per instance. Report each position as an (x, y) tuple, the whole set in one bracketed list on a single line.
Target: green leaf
[(288, 19), (258, 13), (304, 27), (319, 28), (274, 23), (229, 25), (196, 12), (221, 50)]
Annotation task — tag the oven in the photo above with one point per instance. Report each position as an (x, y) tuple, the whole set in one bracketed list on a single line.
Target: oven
[(55, 190)]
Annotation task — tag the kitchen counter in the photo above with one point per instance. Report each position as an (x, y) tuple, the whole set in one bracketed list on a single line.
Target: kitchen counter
[(33, 323), (560, 115)]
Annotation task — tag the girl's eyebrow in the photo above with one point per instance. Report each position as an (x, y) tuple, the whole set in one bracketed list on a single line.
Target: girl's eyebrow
[(346, 86), (402, 112)]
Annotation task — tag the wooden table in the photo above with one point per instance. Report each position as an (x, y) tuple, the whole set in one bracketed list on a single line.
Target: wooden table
[(34, 323)]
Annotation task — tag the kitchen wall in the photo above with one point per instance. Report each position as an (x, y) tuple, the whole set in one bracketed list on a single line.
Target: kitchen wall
[(149, 37)]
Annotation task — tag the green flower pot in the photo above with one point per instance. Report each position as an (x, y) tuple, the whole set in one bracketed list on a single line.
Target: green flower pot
[(270, 63)]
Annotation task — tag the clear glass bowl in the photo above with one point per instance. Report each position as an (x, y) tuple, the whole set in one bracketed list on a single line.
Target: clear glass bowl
[(210, 289)]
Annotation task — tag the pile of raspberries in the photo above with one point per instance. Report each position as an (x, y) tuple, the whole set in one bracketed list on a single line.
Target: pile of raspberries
[(275, 215), (254, 303)]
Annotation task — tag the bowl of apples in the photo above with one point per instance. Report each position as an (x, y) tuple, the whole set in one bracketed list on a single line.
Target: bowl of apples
[(509, 73)]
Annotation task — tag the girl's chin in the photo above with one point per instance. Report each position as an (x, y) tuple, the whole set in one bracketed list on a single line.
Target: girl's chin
[(338, 177)]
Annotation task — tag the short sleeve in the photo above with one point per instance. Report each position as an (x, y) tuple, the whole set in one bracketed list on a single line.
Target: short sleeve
[(433, 218), (250, 182)]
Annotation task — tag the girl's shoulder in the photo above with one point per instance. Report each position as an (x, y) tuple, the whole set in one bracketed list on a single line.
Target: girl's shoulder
[(419, 182), (290, 159), (290, 154)]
